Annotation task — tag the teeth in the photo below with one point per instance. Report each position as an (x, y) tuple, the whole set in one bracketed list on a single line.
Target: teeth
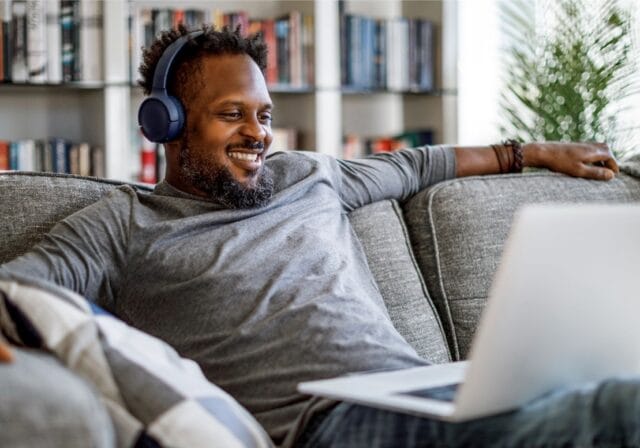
[(244, 156)]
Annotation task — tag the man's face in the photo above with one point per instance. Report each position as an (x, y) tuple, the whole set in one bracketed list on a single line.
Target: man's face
[(228, 134)]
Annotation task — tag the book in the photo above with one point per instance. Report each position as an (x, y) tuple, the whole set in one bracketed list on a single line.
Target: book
[(142, 34), (19, 71), (14, 155), (26, 154), (426, 70), (5, 40), (194, 18), (74, 159), (97, 162), (161, 20), (1, 46), (282, 45), (308, 50), (178, 18), (89, 54), (269, 33), (36, 41), (54, 42), (367, 38), (37, 155), (379, 54), (46, 156), (68, 15), (295, 49), (4, 155), (60, 155), (398, 54), (84, 159)]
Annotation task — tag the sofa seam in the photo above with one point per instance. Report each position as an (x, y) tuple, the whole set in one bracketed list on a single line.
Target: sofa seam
[(454, 335)]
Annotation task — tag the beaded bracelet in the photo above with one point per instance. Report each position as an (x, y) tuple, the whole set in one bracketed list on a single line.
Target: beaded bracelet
[(516, 149), (509, 155)]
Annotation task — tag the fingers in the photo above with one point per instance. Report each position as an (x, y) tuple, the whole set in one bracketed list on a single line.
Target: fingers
[(596, 172), (598, 162), (5, 353), (612, 165)]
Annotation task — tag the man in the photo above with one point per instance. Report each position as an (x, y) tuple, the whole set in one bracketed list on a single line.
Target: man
[(249, 266)]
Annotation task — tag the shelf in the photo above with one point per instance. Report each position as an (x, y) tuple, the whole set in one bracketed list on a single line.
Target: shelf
[(435, 93), (64, 87), (104, 113)]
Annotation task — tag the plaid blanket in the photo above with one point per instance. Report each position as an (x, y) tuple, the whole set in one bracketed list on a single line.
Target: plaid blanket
[(154, 397)]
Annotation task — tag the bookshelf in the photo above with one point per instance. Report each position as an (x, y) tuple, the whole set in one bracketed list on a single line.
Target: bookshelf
[(104, 113)]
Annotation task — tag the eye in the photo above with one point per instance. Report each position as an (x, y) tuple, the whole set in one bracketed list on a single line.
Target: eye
[(233, 115), (265, 117)]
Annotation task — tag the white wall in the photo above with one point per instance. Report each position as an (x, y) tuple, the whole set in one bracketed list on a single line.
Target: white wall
[(478, 72)]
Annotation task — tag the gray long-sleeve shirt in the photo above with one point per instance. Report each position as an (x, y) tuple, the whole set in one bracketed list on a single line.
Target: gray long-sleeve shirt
[(262, 298)]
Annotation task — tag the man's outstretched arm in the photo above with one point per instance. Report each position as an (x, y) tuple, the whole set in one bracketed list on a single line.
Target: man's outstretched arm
[(588, 160)]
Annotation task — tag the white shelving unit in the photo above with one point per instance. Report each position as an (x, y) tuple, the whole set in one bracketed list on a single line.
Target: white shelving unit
[(105, 114)]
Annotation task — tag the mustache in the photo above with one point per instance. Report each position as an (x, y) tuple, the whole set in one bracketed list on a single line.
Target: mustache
[(247, 144)]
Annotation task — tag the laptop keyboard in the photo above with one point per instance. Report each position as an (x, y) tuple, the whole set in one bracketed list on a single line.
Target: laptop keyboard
[(442, 393)]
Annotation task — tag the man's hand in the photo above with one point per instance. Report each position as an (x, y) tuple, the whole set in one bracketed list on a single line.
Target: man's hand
[(5, 352), (588, 160)]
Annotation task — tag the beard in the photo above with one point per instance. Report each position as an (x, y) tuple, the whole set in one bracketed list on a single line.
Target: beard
[(218, 183)]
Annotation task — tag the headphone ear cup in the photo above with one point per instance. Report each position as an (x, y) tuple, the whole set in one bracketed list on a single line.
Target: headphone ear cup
[(161, 118)]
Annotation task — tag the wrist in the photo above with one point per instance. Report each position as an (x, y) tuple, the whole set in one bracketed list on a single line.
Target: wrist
[(532, 154)]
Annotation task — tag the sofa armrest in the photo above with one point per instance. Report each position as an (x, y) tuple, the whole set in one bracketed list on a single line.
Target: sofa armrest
[(458, 229)]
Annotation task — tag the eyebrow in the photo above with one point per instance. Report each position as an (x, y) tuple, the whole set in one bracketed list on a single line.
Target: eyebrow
[(241, 104)]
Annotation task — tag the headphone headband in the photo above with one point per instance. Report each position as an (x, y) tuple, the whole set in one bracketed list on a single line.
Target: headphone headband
[(163, 69)]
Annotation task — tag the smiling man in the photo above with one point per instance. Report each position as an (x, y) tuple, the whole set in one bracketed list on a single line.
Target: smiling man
[(248, 264)]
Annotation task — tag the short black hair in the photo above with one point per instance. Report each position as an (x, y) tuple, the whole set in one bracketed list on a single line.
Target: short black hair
[(211, 41)]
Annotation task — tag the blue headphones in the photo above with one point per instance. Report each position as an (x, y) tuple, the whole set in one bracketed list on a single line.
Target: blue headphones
[(161, 116)]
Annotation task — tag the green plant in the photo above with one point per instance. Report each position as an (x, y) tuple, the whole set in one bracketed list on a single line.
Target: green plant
[(570, 70)]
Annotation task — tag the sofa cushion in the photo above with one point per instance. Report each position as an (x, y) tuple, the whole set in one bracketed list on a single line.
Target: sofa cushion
[(382, 232), (458, 229), (45, 404), (33, 202)]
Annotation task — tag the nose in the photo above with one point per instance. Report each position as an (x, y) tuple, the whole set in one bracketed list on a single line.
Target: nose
[(254, 129)]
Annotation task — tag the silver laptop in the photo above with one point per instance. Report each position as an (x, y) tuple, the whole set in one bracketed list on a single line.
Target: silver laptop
[(563, 309)]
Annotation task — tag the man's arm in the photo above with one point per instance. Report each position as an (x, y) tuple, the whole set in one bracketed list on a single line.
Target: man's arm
[(588, 160)]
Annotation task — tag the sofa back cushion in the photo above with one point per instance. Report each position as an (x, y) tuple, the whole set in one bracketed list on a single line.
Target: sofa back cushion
[(458, 229), (383, 234), (33, 202)]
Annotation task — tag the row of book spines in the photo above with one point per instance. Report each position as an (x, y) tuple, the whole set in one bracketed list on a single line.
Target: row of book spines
[(45, 41), (394, 54), (289, 39), (355, 146), (54, 155)]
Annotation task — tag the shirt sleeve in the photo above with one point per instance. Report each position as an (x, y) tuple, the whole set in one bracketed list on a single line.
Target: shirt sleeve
[(84, 252), (396, 175)]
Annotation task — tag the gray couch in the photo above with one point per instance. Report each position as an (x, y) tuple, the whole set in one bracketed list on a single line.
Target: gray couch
[(433, 258)]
